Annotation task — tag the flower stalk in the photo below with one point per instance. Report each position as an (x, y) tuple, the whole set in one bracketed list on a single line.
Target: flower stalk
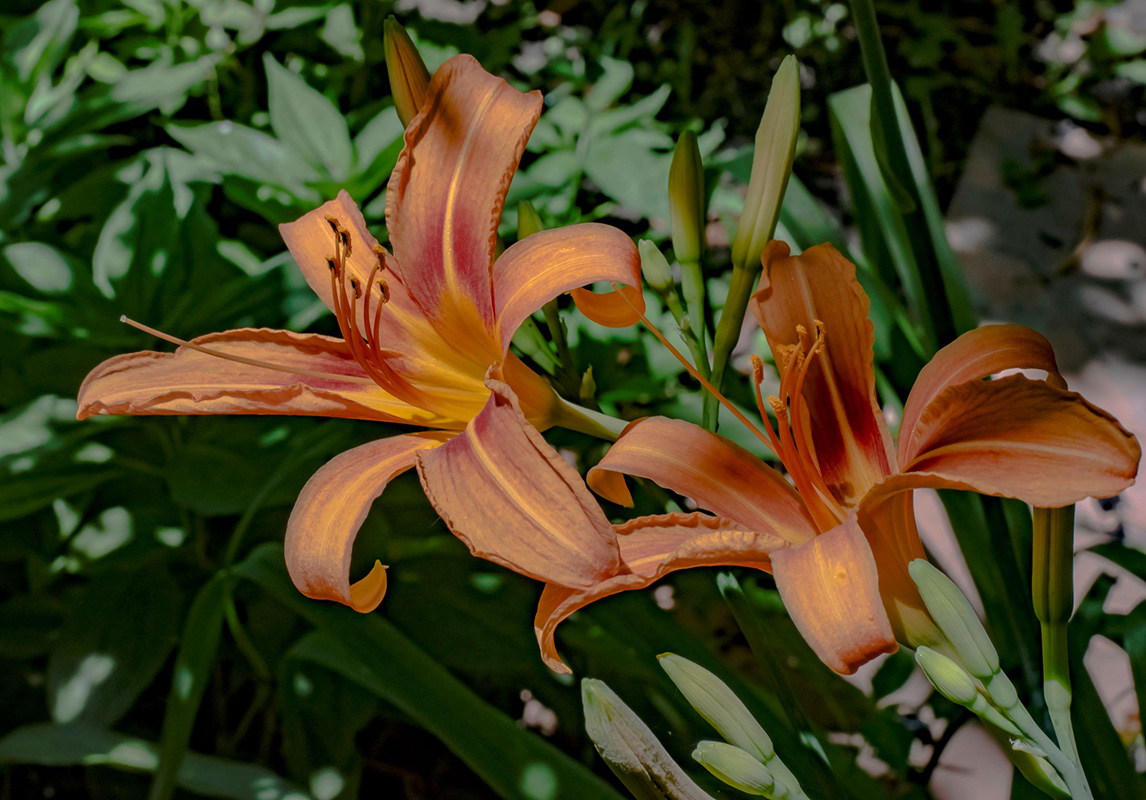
[(686, 213)]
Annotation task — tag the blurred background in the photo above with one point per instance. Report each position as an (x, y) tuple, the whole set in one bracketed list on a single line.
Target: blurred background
[(148, 150)]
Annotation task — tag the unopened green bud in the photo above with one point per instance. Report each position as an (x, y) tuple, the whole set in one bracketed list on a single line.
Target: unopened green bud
[(409, 78), (655, 266), (588, 389), (631, 750), (686, 199), (948, 678), (956, 619), (719, 705), (528, 220), (733, 766), (771, 166)]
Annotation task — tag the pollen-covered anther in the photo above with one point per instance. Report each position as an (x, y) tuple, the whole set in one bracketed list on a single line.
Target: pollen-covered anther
[(779, 408), (356, 287), (385, 289), (757, 369)]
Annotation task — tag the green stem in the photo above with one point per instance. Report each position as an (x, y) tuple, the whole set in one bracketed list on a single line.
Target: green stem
[(692, 283), (728, 332), (558, 335), (585, 420), (684, 323)]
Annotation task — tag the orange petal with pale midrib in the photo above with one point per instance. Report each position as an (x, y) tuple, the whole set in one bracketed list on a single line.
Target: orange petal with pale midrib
[(852, 443), (513, 500), (652, 548), (719, 475), (332, 507), (830, 588), (188, 381)]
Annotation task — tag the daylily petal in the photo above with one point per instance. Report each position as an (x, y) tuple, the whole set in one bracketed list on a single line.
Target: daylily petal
[(188, 381), (446, 194), (719, 475), (653, 547), (513, 500), (549, 263), (831, 590), (617, 309), (852, 443), (330, 510), (973, 356), (1022, 438)]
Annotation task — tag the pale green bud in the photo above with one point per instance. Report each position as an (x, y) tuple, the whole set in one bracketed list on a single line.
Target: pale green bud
[(528, 220), (771, 166), (719, 705), (631, 750), (588, 389), (956, 619), (655, 266), (409, 78), (733, 766), (686, 199), (948, 678)]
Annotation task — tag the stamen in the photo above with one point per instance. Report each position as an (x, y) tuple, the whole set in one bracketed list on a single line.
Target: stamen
[(240, 359), (757, 381), (691, 369)]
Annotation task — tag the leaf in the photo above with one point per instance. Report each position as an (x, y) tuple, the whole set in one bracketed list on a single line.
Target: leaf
[(238, 150), (370, 651), (1129, 558), (37, 44), (340, 32), (893, 673), (118, 636), (51, 745), (1134, 643), (308, 122), (25, 493), (609, 88), (163, 86), (44, 267), (29, 625), (193, 667)]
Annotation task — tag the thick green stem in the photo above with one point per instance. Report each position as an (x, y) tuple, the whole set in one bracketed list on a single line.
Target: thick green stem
[(728, 333), (585, 420), (692, 284)]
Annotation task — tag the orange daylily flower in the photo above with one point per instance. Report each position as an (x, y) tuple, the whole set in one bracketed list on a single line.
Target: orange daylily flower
[(420, 328), (850, 519)]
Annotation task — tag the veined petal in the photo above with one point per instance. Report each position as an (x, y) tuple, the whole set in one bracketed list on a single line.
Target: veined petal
[(549, 263), (330, 510), (617, 309), (973, 356), (189, 381), (831, 590), (446, 194), (1022, 438), (513, 500), (850, 436), (719, 475), (653, 547)]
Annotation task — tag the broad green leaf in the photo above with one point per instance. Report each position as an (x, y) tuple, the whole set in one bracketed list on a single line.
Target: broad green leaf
[(610, 87), (238, 150), (26, 492), (1129, 558), (308, 122), (51, 745), (44, 267), (193, 667), (370, 651), (340, 32), (117, 637), (37, 44), (162, 86)]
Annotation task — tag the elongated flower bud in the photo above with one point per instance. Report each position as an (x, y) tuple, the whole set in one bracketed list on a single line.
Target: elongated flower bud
[(409, 78), (948, 678), (771, 166), (956, 619), (528, 220), (686, 199), (655, 266), (719, 705), (631, 750), (733, 766)]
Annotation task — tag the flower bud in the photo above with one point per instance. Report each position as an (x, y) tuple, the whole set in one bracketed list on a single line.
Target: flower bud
[(528, 220), (409, 78), (719, 706), (631, 750), (771, 166), (686, 199), (948, 678), (733, 766), (655, 266), (956, 619)]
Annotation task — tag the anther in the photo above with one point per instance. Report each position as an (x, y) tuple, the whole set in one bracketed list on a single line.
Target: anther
[(333, 264), (779, 408), (385, 287), (757, 369), (333, 222), (356, 287)]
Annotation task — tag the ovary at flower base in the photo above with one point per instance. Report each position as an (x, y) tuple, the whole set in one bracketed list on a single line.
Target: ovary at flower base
[(850, 519), (420, 328)]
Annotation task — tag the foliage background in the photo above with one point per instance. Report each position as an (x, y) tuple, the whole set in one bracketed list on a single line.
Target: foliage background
[(149, 149)]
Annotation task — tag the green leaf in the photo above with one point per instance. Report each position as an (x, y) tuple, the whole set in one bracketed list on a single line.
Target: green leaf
[(51, 745), (44, 267), (371, 652), (118, 636), (1129, 558), (24, 493), (893, 673), (1134, 643), (235, 149), (609, 88), (37, 44), (193, 667), (308, 122), (29, 625)]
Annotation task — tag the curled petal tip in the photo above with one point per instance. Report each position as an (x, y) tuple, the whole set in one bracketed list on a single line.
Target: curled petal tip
[(366, 594)]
